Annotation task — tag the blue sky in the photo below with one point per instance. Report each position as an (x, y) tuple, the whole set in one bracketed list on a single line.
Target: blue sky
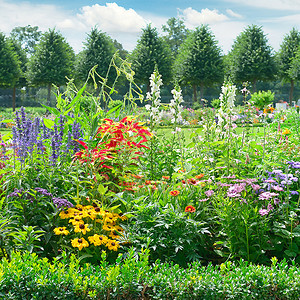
[(123, 20)]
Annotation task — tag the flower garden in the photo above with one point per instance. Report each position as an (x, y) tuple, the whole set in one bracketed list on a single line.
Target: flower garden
[(104, 204)]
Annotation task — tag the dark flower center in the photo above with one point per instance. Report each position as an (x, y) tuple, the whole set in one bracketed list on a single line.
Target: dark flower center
[(81, 226), (79, 240)]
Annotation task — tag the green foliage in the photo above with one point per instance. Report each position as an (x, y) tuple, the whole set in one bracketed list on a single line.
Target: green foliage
[(98, 52), (261, 99), (251, 58), (215, 103), (169, 234), (132, 277), (199, 62), (176, 33), (27, 36), (10, 69), (151, 51), (286, 54), (52, 62)]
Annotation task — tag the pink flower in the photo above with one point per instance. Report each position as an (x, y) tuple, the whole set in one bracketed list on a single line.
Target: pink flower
[(263, 212), (209, 193)]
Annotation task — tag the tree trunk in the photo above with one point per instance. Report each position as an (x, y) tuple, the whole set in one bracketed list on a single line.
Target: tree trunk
[(195, 93), (254, 85), (201, 93), (291, 91), (14, 99), (49, 94)]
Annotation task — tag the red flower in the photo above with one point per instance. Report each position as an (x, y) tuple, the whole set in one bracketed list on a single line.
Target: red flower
[(190, 209), (174, 193)]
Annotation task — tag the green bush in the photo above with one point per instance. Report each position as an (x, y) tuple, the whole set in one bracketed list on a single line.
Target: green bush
[(262, 98), (131, 277)]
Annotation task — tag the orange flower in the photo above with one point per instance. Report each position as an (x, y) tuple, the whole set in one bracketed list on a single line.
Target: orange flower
[(199, 176), (174, 193), (286, 131), (166, 177), (190, 209)]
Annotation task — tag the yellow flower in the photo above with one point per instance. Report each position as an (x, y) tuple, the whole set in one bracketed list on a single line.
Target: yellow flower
[(115, 235), (80, 243), (76, 221), (108, 227), (112, 245), (65, 214), (98, 240), (83, 228), (61, 230), (110, 218), (286, 131)]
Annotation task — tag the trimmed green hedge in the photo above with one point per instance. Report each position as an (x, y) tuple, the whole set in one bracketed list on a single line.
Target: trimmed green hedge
[(27, 276)]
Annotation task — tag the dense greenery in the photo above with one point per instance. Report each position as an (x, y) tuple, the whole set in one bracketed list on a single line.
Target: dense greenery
[(151, 51), (251, 58), (199, 62), (52, 63), (132, 277)]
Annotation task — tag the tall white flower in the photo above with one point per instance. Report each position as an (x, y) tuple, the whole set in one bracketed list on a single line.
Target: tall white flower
[(154, 97), (175, 105)]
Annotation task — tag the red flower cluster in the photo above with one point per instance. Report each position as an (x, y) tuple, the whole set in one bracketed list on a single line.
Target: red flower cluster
[(115, 142)]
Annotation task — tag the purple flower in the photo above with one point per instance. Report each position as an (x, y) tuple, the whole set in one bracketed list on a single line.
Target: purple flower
[(294, 193), (60, 202), (270, 207), (43, 192), (16, 193)]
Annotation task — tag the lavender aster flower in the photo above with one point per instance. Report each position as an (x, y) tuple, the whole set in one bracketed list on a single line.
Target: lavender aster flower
[(60, 202)]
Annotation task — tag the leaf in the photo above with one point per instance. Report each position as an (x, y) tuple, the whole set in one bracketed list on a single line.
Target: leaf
[(76, 98), (52, 110), (48, 123), (101, 189)]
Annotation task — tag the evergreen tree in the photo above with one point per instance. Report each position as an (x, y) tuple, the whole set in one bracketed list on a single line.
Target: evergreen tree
[(151, 51), (10, 69), (21, 55), (27, 36), (176, 33), (52, 62), (251, 58), (98, 50), (288, 67), (199, 61)]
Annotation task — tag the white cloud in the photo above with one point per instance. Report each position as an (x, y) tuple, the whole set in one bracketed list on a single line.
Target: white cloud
[(112, 18), (193, 17), (233, 14), (270, 4)]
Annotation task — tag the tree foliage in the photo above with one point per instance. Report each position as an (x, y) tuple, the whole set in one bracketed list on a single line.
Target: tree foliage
[(151, 51), (52, 62), (251, 58), (199, 62), (10, 69), (288, 59), (27, 36), (98, 50), (176, 33)]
